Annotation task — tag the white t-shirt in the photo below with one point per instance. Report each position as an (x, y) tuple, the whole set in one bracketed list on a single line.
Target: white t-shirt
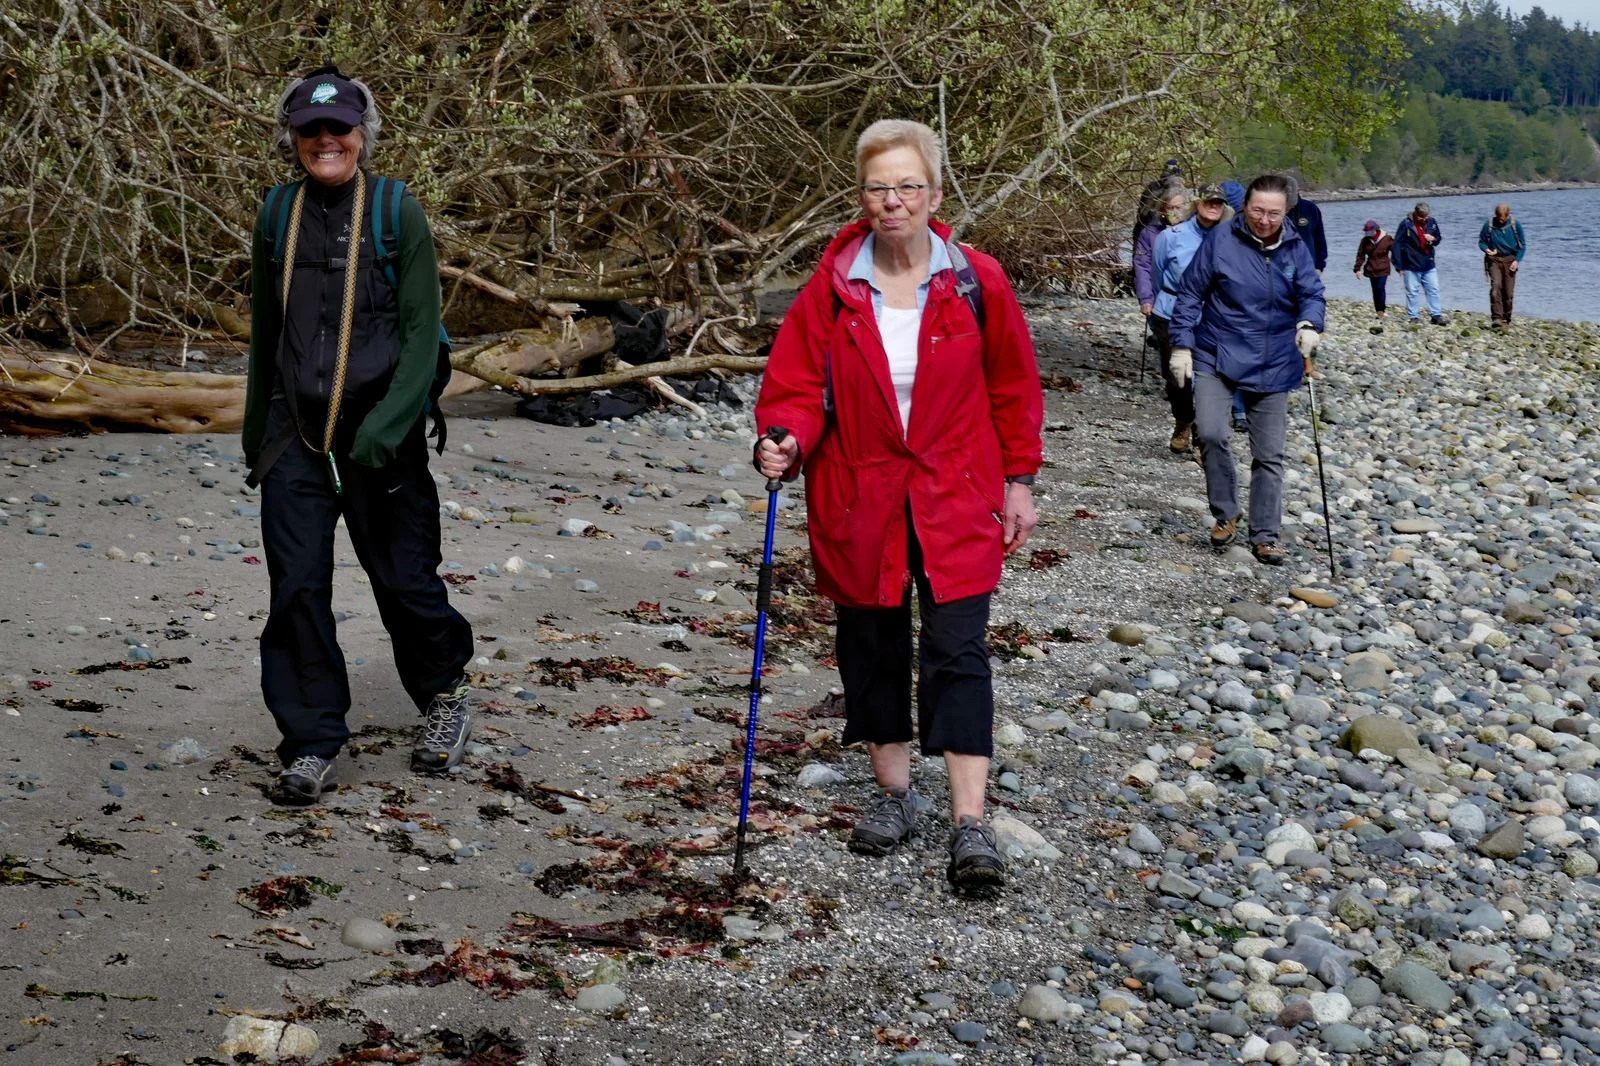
[(899, 327)]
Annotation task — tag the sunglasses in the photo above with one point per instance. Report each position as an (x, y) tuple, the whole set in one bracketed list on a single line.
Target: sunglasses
[(313, 129)]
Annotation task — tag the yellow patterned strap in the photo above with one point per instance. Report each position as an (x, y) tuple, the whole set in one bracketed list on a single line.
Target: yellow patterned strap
[(347, 318)]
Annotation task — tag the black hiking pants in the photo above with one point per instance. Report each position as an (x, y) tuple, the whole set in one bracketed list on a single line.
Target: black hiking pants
[(955, 692), (392, 516)]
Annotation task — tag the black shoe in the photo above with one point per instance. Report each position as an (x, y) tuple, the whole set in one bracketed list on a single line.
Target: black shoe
[(1439, 320), (974, 857), (304, 781), (890, 821), (444, 734), (1240, 425)]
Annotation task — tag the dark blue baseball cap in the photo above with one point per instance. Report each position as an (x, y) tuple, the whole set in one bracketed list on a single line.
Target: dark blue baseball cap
[(326, 94)]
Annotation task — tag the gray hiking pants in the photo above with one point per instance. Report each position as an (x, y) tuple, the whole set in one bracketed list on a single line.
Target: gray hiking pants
[(1267, 414)]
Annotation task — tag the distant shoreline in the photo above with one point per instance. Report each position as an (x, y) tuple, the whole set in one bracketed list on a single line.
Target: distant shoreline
[(1401, 192)]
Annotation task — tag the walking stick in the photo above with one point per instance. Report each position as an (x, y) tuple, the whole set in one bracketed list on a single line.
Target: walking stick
[(763, 600), (1144, 352), (1322, 479)]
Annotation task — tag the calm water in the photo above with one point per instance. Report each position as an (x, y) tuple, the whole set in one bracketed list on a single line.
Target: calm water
[(1557, 277)]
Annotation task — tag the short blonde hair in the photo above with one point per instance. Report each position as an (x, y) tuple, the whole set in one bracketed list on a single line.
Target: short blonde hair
[(887, 133)]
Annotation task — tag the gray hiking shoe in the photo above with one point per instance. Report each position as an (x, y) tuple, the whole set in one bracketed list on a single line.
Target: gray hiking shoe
[(444, 734), (974, 857), (890, 821), (304, 781)]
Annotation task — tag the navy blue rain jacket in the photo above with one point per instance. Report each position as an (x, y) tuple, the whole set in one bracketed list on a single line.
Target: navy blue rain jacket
[(1240, 302), (1410, 253)]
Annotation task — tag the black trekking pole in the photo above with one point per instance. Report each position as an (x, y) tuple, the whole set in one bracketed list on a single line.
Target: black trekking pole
[(1322, 479), (776, 434), (1144, 352)]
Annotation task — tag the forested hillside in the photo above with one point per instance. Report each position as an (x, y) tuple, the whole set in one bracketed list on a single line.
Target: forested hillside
[(1489, 97)]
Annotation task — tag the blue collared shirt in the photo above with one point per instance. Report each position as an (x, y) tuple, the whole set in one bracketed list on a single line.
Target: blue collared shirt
[(863, 268)]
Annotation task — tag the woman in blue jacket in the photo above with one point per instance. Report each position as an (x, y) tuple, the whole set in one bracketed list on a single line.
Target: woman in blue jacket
[(1249, 313)]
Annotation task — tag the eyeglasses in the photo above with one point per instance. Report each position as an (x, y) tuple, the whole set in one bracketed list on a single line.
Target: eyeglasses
[(1263, 214), (906, 190), (314, 128)]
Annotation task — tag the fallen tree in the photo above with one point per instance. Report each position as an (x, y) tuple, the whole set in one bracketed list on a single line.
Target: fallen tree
[(585, 153)]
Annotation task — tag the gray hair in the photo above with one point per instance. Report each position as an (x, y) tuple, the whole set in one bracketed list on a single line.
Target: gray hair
[(283, 135), (887, 133)]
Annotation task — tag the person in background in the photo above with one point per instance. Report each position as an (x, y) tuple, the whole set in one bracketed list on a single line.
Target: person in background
[(324, 315), (1153, 196), (1173, 202), (1233, 192), (1503, 245), (1416, 244), (1372, 261), (1247, 318), (1174, 247), (926, 496), (1307, 218)]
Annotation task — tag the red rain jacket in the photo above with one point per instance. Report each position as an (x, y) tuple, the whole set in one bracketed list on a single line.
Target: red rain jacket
[(976, 413)]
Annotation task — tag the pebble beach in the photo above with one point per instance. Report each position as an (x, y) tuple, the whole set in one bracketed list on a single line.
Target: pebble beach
[(1253, 814)]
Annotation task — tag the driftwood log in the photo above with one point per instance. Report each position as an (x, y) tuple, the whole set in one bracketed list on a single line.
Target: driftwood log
[(45, 394), (54, 393)]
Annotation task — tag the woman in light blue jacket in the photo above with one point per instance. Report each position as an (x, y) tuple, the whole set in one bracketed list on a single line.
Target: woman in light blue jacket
[(1174, 247)]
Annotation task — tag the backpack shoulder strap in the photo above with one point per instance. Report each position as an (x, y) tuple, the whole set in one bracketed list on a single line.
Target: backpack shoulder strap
[(967, 285), (386, 196), (276, 211)]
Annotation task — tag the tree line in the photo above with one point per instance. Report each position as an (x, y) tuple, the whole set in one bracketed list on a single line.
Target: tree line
[(1483, 97), (1486, 53)]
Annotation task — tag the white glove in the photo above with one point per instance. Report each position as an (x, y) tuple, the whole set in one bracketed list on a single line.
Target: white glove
[(1306, 339), (1182, 366)]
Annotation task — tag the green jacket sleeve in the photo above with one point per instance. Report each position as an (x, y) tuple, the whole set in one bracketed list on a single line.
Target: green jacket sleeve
[(381, 432), (266, 321)]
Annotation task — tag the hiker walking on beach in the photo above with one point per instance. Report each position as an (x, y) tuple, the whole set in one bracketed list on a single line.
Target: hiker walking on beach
[(1247, 318), (344, 353), (1173, 250), (1372, 261), (1173, 203), (1503, 245), (1416, 243), (905, 376)]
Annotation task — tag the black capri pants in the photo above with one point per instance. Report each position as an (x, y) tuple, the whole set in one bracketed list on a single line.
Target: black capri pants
[(955, 691)]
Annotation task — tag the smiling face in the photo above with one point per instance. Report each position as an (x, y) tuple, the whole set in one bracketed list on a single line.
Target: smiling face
[(896, 218), (1210, 211), (1263, 213), (328, 157)]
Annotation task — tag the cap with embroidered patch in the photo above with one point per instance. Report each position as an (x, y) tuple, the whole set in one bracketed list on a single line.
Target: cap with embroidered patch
[(326, 94), (1211, 192)]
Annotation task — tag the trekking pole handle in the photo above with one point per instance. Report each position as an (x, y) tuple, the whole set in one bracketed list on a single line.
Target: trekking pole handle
[(776, 434)]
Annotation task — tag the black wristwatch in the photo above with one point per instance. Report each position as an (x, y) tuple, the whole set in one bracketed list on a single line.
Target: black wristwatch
[(1020, 479)]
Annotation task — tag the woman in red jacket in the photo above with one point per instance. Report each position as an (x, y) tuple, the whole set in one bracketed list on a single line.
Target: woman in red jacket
[(918, 470)]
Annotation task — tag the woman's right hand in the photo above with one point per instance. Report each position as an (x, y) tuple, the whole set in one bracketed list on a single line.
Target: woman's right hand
[(774, 458)]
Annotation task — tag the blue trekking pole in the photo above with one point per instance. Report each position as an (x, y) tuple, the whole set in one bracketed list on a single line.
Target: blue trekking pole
[(776, 434)]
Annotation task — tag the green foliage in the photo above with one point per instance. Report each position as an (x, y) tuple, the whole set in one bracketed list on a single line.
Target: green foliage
[(1437, 140), (604, 149)]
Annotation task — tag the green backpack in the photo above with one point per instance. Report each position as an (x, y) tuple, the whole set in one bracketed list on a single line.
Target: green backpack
[(385, 228)]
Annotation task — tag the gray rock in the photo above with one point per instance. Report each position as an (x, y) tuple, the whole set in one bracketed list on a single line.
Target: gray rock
[(600, 999), (1506, 842), (1380, 732), (968, 1032), (1354, 909), (1582, 790), (816, 775), (1232, 696), (1363, 992), (364, 934), (1343, 1038), (1419, 985), (1043, 1004), (1142, 840)]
